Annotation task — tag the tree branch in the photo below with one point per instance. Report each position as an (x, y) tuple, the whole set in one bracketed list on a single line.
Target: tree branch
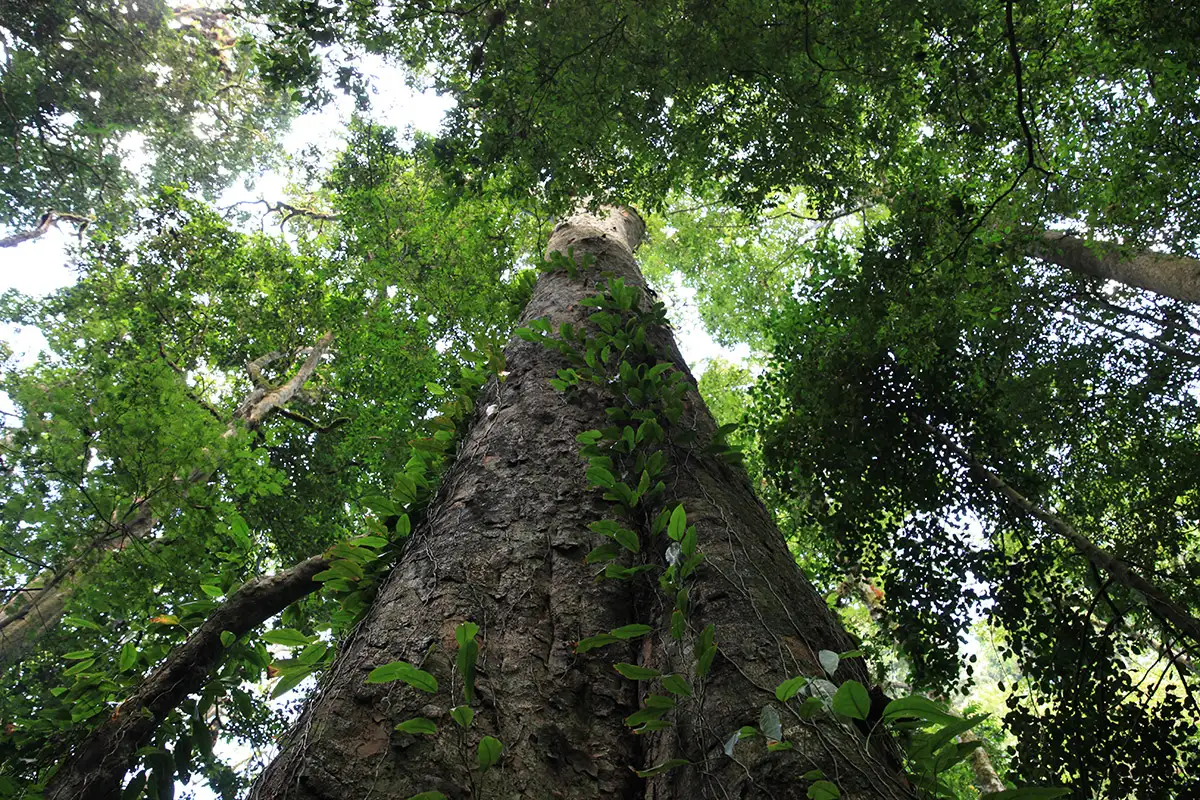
[(49, 220), (98, 765)]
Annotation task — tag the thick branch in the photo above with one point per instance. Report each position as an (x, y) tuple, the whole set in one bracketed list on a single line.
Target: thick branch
[(255, 412), (1161, 273), (98, 765), (1156, 600), (49, 220)]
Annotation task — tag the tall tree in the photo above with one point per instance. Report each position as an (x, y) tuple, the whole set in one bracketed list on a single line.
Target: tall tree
[(506, 546)]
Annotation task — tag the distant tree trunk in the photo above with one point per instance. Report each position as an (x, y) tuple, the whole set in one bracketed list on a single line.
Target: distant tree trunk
[(987, 780), (1161, 273), (38, 606), (504, 546)]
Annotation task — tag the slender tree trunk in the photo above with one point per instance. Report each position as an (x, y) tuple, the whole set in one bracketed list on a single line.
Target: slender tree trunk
[(39, 606), (504, 546), (1161, 273), (1122, 573), (987, 780)]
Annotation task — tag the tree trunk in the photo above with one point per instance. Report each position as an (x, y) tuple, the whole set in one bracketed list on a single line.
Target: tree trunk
[(1161, 604), (37, 607), (504, 545), (1161, 273)]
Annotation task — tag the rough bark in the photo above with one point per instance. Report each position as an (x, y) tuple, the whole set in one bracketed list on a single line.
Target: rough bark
[(504, 545), (1121, 573), (1161, 273), (37, 607), (97, 766)]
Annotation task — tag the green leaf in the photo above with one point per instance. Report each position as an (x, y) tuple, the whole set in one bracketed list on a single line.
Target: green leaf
[(468, 655), (288, 680), (465, 632), (636, 673), (823, 790), (312, 654), (916, 706), (463, 716), (288, 637), (404, 671), (665, 766), (428, 796), (240, 531), (678, 524), (211, 591), (706, 650), (599, 476), (79, 667), (605, 552), (418, 725), (788, 689), (630, 631), (1027, 793), (76, 655), (381, 505), (592, 642), (677, 684), (488, 752), (678, 625), (627, 539), (80, 622), (851, 700), (128, 658)]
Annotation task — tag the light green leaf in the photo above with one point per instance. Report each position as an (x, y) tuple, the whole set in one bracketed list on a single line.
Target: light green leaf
[(488, 752), (404, 671), (417, 725)]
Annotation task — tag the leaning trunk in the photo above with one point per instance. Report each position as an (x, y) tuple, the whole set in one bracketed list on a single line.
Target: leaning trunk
[(504, 546), (1161, 273)]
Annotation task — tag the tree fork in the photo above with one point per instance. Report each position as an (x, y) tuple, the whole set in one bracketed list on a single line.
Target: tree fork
[(38, 607), (504, 545)]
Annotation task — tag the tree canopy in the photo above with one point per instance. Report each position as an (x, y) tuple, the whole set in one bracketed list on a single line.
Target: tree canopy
[(958, 240)]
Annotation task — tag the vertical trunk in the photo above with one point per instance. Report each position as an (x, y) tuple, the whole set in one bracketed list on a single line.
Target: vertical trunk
[(1161, 273), (504, 546)]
